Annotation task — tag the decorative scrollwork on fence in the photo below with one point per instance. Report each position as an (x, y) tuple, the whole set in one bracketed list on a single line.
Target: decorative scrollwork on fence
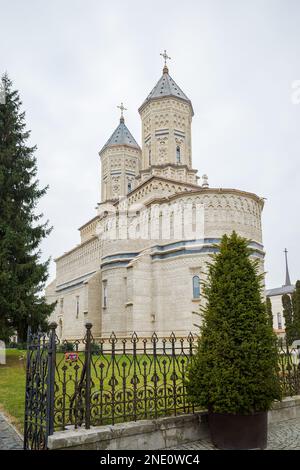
[(289, 368), (38, 389), (111, 380), (122, 379)]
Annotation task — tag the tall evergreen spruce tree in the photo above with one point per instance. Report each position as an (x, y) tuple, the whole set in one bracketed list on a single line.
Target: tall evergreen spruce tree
[(22, 274), (288, 318), (236, 364)]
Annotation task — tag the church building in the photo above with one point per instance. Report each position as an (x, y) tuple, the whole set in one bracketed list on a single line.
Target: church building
[(142, 259)]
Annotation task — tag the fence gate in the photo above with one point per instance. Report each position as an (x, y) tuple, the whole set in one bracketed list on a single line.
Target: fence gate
[(39, 393)]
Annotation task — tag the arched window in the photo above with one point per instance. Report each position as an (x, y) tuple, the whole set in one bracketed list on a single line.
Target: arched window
[(129, 187), (177, 154), (104, 292), (77, 306), (196, 287), (149, 157)]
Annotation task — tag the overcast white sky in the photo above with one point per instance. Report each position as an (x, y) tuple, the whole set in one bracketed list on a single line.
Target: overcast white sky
[(73, 61)]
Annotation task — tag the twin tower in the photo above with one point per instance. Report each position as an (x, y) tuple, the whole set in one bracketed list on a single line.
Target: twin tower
[(166, 152)]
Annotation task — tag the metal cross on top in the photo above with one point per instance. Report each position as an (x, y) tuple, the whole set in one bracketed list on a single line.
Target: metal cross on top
[(165, 56), (122, 108)]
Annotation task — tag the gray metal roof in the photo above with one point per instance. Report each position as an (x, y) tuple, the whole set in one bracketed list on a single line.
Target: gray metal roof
[(121, 136), (166, 87), (280, 290)]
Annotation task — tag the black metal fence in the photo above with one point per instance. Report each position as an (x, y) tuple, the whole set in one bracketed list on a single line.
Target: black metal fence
[(39, 391), (107, 381), (289, 368)]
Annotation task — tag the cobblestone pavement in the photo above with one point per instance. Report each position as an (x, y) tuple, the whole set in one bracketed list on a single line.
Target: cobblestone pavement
[(9, 438), (281, 436)]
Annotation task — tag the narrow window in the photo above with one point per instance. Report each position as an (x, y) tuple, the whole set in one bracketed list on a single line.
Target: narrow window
[(172, 225), (77, 306), (129, 187), (149, 157), (160, 220), (104, 294), (194, 219), (177, 154), (279, 321), (137, 231), (125, 289), (196, 287), (60, 328), (149, 224)]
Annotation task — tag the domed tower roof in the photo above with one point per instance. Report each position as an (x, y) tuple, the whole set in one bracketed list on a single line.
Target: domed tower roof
[(166, 87), (121, 136)]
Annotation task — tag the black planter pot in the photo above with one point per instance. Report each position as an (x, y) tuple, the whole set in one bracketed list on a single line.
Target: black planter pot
[(235, 431)]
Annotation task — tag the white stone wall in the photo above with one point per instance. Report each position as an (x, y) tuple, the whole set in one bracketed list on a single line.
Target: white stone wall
[(88, 230), (175, 294), (71, 320), (81, 260), (75, 306), (113, 315)]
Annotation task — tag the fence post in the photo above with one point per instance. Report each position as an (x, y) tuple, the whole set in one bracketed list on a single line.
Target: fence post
[(51, 379), (26, 446), (88, 343)]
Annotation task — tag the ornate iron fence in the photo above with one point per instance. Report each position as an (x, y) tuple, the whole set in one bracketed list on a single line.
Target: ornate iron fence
[(102, 381), (115, 380), (39, 389), (107, 381), (289, 368)]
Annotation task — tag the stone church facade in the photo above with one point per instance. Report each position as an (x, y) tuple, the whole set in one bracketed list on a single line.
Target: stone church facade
[(142, 259)]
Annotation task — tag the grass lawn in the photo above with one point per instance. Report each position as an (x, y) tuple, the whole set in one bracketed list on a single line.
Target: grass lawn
[(12, 386)]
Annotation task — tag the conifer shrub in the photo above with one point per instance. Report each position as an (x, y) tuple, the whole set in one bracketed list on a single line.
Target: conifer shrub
[(66, 346), (235, 368)]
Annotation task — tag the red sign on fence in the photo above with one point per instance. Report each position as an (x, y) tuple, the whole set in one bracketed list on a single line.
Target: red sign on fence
[(71, 356)]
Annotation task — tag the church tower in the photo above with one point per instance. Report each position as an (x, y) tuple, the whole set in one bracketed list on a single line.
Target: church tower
[(120, 162), (166, 116)]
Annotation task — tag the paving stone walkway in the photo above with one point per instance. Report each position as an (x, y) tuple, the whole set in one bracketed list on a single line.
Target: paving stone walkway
[(9, 438), (281, 436)]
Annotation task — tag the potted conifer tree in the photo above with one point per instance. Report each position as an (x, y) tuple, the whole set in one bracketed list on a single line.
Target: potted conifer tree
[(235, 370)]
